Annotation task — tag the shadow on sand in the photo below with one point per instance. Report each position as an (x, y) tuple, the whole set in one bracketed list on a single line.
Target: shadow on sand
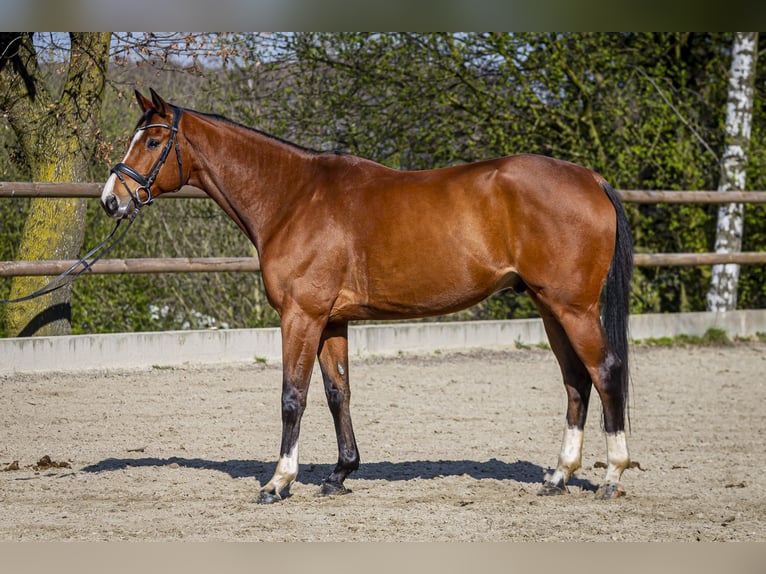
[(520, 471)]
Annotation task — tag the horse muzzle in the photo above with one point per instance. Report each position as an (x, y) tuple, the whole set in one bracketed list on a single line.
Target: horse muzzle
[(112, 204)]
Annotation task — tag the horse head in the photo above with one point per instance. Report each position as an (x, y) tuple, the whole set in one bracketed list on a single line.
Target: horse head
[(148, 169)]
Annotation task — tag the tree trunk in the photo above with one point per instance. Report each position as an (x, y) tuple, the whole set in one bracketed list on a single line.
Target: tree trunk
[(58, 138), (722, 295)]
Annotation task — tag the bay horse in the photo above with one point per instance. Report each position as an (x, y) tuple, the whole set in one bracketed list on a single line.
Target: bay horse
[(342, 238)]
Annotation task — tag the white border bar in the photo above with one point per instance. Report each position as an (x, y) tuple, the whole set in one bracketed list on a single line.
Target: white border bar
[(174, 348)]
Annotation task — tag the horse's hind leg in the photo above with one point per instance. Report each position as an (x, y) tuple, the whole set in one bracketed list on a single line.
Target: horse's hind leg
[(583, 349), (577, 382), (333, 360), (587, 338)]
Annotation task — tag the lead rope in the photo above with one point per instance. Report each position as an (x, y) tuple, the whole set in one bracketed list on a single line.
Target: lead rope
[(86, 265)]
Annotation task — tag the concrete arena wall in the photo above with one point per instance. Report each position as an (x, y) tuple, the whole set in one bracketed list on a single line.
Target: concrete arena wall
[(143, 350)]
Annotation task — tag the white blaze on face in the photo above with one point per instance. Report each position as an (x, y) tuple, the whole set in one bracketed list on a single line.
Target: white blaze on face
[(133, 142), (108, 188), (110, 183)]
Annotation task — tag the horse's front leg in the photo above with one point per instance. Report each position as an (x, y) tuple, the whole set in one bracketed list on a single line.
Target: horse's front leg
[(333, 360), (300, 341)]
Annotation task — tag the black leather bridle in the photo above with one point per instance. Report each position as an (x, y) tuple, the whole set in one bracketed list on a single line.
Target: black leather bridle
[(145, 182)]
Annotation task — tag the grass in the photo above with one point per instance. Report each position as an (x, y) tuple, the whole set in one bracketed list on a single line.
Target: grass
[(521, 345), (713, 337)]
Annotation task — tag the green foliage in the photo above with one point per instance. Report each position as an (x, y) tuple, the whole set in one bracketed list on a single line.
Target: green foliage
[(716, 336), (12, 215)]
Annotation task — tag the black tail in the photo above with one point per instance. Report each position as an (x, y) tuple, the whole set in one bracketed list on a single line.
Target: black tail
[(617, 292)]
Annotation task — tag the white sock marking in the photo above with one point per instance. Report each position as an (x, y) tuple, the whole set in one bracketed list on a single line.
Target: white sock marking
[(617, 455), (570, 456)]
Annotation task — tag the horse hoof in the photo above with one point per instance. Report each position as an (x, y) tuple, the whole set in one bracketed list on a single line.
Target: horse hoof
[(332, 489), (266, 497), (551, 489), (610, 491)]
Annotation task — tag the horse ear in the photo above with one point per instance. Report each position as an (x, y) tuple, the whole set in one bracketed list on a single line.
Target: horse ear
[(143, 102), (158, 103)]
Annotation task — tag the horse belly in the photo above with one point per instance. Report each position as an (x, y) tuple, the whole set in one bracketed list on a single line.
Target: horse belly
[(424, 291)]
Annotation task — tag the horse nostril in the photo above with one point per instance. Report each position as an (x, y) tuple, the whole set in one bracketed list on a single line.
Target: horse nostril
[(111, 205)]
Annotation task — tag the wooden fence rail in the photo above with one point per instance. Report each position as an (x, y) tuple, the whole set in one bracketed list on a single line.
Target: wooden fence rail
[(88, 190), (93, 190), (145, 265), (251, 264)]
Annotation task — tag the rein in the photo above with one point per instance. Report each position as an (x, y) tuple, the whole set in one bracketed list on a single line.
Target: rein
[(86, 265)]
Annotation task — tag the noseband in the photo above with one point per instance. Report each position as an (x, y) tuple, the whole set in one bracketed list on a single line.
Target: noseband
[(145, 183)]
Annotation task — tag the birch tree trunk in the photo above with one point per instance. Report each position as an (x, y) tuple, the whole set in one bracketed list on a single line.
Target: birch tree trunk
[(57, 135), (722, 295)]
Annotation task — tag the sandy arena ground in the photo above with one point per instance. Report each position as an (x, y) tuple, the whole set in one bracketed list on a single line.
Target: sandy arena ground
[(453, 445)]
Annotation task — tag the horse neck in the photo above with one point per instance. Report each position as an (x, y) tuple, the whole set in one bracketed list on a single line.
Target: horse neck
[(254, 177)]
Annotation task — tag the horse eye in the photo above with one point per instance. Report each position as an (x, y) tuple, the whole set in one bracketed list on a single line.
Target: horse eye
[(152, 144)]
